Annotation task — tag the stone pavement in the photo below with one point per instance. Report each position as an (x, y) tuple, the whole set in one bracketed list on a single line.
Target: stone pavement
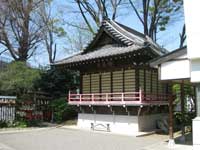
[(73, 139)]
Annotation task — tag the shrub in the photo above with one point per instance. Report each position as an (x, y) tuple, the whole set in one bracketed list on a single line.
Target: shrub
[(3, 124), (18, 79), (62, 111)]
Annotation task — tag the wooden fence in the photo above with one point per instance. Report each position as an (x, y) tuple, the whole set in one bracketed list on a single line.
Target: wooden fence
[(7, 108)]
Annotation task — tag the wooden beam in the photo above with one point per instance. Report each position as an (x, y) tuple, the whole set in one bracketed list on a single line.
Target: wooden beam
[(182, 106), (144, 80), (123, 78), (151, 83), (137, 82), (111, 82), (90, 83), (171, 131), (100, 83), (81, 82)]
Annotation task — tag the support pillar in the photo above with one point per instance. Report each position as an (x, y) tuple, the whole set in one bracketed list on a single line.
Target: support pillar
[(182, 111), (196, 121), (171, 142)]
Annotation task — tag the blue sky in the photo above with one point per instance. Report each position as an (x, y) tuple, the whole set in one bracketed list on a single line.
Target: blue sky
[(169, 39)]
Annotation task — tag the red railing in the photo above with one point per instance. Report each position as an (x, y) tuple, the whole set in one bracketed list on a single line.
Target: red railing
[(126, 98)]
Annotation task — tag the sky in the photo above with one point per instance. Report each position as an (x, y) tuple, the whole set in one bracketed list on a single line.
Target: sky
[(169, 39)]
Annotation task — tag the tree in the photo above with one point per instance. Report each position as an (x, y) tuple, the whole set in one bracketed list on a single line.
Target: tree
[(18, 78), (56, 82), (52, 30), (182, 37), (155, 15), (79, 39), (20, 28), (97, 10)]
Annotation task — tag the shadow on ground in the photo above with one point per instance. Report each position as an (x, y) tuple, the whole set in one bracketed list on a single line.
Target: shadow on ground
[(184, 140)]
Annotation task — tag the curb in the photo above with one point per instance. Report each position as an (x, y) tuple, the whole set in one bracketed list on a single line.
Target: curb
[(19, 130)]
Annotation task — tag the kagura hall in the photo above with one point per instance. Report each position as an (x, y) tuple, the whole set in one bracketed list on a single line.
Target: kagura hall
[(119, 91)]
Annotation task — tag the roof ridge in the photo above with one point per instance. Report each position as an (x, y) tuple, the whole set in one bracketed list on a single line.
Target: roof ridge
[(129, 33), (125, 36), (140, 35)]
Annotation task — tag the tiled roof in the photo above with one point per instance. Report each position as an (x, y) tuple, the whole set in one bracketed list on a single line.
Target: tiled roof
[(131, 40), (105, 51)]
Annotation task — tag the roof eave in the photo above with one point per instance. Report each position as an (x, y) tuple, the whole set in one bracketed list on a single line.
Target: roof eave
[(168, 56)]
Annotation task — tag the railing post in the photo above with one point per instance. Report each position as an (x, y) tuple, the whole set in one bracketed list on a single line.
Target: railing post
[(80, 96), (92, 97), (106, 97), (140, 95), (69, 96), (122, 97)]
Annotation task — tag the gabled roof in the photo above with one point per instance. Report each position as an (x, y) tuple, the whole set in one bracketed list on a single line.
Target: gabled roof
[(121, 33), (102, 52), (169, 56), (128, 40)]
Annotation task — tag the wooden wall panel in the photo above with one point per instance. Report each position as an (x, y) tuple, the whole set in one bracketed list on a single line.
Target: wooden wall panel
[(106, 82), (141, 79), (154, 81), (122, 81), (86, 84), (129, 80), (148, 81), (118, 81), (95, 83)]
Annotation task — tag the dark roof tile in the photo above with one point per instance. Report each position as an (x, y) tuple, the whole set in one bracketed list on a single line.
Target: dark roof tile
[(105, 51)]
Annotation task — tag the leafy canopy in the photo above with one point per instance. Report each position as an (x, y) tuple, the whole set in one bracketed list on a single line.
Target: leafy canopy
[(18, 78), (56, 81)]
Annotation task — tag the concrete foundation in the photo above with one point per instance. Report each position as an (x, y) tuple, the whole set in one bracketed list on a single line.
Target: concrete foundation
[(122, 124), (196, 133), (196, 122)]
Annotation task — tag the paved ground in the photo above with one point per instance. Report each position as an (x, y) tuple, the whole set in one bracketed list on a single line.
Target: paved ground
[(69, 139)]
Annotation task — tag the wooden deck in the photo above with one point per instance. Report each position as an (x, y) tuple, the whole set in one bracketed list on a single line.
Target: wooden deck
[(118, 99)]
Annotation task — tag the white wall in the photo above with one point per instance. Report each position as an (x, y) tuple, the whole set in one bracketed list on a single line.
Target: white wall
[(118, 123), (179, 69), (148, 122), (122, 124), (195, 70), (192, 12)]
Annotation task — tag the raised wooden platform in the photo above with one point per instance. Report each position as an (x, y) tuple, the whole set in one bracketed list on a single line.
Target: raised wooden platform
[(118, 99)]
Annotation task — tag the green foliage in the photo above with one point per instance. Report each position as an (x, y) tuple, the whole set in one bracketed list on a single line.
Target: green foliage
[(62, 110), (187, 117), (166, 11), (18, 78), (56, 82), (20, 123), (3, 124)]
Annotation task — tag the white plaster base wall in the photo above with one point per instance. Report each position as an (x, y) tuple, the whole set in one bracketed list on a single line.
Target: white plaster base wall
[(148, 122), (122, 124), (196, 133)]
